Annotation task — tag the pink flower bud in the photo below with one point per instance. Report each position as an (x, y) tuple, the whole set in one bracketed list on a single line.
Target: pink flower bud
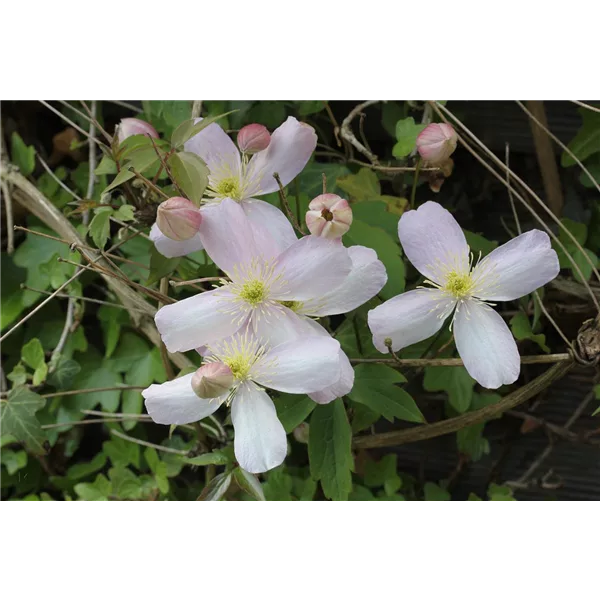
[(178, 219), (130, 126), (329, 216), (212, 380), (437, 142), (253, 138)]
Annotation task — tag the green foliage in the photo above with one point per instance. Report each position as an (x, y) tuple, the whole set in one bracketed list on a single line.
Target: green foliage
[(522, 330), (32, 354), (190, 173), (587, 141), (293, 410), (406, 134), (383, 474), (17, 414), (23, 156), (249, 483), (455, 381), (329, 449), (217, 488), (580, 232), (433, 491), (160, 266)]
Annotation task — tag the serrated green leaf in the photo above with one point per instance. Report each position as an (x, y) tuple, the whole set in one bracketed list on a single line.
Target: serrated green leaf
[(190, 173), (122, 453), (32, 353), (375, 387), (17, 414), (81, 470), (362, 186), (329, 450), (99, 490), (99, 228), (123, 176), (21, 155), (293, 409), (406, 134), (125, 485)]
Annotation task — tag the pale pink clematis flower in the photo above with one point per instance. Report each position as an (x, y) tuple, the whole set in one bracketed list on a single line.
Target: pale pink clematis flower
[(435, 244), (130, 126), (297, 367), (178, 219), (233, 176), (329, 216), (437, 142), (276, 284)]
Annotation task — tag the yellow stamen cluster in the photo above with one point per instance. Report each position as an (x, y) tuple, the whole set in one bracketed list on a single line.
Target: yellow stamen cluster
[(229, 188), (458, 284), (293, 305), (253, 292)]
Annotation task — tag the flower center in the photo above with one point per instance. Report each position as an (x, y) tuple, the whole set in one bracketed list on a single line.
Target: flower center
[(293, 305), (327, 214), (229, 188), (253, 292), (239, 364), (458, 284)]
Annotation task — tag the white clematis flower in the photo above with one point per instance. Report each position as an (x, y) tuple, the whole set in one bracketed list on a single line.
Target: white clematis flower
[(435, 244), (298, 367), (232, 175)]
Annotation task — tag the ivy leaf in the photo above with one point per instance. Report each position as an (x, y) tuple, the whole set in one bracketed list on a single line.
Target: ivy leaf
[(99, 490), (64, 373), (125, 485), (587, 140), (13, 461), (383, 473), (249, 483), (23, 156), (17, 414), (121, 452), (32, 353), (435, 492), (190, 173), (99, 228), (160, 266), (453, 380), (521, 329), (293, 410), (217, 487), (329, 449), (375, 387), (388, 252), (81, 470), (406, 134)]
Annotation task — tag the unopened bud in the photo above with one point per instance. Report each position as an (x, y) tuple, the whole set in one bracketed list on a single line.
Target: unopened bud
[(178, 219), (329, 216), (253, 138), (301, 433), (212, 380), (130, 126), (437, 142)]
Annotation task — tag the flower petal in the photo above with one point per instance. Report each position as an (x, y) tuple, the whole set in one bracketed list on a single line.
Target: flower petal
[(174, 402), (341, 387), (170, 248), (365, 280), (227, 235), (433, 241), (409, 318), (272, 231), (300, 366), (291, 146), (196, 321), (486, 345), (276, 326), (260, 442), (516, 268), (218, 151), (310, 268)]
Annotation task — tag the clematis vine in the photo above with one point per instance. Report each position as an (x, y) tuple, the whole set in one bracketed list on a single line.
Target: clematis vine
[(275, 284), (234, 176), (435, 244), (246, 366)]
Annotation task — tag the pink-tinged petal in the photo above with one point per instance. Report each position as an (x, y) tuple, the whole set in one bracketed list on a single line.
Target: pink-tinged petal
[(300, 366), (365, 280), (212, 380), (310, 268), (272, 231), (437, 142), (409, 318), (486, 345), (433, 241), (275, 326), (196, 321), (178, 219), (227, 236), (329, 216), (253, 138), (260, 442), (341, 387), (290, 149), (130, 126), (175, 403), (516, 268), (218, 151), (171, 248)]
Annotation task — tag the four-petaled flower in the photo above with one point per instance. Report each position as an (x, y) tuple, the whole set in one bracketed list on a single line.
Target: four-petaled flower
[(435, 244)]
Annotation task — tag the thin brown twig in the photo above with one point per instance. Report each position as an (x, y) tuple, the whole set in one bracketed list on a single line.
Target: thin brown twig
[(8, 213), (66, 119), (93, 390), (588, 106), (192, 281), (164, 355), (286, 206), (128, 438), (391, 169), (347, 134), (92, 115), (62, 184), (457, 362), (336, 127), (91, 163)]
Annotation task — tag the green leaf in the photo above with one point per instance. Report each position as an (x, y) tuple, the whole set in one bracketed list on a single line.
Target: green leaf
[(17, 414), (125, 485), (329, 449), (39, 375), (477, 243), (362, 186), (107, 166), (310, 107), (13, 460), (249, 483), (190, 173), (406, 134), (435, 492), (21, 155), (188, 129), (122, 453), (125, 213), (363, 417), (99, 490), (98, 376), (500, 492), (310, 180), (470, 441), (123, 176), (111, 320), (521, 329), (278, 486), (383, 473), (293, 409), (217, 487), (32, 353), (375, 213), (375, 387), (453, 380), (160, 266), (99, 228), (211, 458), (64, 373), (587, 140), (388, 252), (81, 470)]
